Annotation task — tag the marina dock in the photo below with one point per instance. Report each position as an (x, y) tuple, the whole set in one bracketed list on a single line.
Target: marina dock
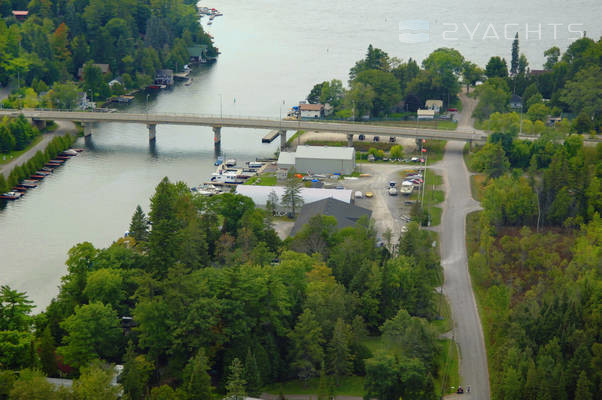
[(269, 138)]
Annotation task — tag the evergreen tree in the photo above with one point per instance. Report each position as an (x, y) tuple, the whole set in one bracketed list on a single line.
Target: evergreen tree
[(307, 345), (235, 388), (163, 238), (139, 226), (338, 350), (515, 57), (291, 197), (136, 374), (323, 386), (3, 184), (46, 351), (252, 375), (197, 382), (583, 391)]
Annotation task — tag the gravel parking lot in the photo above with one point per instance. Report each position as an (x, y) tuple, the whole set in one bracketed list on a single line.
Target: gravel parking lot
[(386, 210)]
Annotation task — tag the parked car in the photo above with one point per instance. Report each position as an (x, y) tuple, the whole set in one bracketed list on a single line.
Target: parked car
[(375, 138), (392, 191), (415, 159), (340, 187), (359, 195), (369, 195), (392, 184), (392, 139), (361, 137)]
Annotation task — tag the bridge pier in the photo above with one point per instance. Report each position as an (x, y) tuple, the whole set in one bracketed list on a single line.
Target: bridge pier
[(87, 128), (152, 132), (217, 137), (350, 140), (39, 123), (282, 139)]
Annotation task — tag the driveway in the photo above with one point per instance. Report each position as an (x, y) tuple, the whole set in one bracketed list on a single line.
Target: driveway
[(467, 329)]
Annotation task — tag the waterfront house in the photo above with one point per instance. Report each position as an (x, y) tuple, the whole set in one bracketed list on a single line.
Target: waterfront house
[(516, 102), (20, 15), (116, 81), (311, 111), (345, 213), (198, 54), (426, 114), (435, 105), (164, 77), (104, 68)]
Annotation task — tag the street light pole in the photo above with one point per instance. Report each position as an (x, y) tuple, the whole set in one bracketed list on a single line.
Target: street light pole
[(221, 115)]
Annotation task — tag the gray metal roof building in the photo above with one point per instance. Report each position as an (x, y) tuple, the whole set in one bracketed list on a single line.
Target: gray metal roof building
[(322, 160), (346, 214), (259, 194)]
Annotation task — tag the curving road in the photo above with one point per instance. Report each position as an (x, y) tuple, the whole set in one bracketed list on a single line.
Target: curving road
[(64, 127), (467, 331)]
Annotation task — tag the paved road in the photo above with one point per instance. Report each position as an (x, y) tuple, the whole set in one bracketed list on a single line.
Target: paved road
[(467, 332), (246, 122), (64, 127)]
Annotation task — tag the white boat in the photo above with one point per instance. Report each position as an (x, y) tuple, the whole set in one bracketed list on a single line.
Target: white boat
[(206, 190), (229, 177), (407, 188), (11, 195), (230, 162)]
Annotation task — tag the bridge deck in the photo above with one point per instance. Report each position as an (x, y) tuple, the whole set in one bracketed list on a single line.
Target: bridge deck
[(248, 122)]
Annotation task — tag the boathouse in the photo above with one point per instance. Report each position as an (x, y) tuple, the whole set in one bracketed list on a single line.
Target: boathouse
[(319, 160), (311, 111)]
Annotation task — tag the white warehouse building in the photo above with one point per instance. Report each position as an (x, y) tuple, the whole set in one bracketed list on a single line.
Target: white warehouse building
[(319, 160)]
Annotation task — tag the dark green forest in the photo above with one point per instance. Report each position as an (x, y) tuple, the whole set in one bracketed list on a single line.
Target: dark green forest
[(210, 301), (135, 38), (536, 264), (16, 134)]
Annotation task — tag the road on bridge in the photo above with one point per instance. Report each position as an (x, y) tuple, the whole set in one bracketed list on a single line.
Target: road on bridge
[(248, 122)]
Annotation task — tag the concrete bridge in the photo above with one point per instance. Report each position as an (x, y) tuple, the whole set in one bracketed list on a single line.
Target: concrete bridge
[(151, 120)]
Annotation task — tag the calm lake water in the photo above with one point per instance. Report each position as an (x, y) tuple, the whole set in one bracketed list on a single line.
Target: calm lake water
[(273, 52)]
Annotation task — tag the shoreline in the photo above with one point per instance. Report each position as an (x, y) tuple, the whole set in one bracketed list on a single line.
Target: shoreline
[(64, 128)]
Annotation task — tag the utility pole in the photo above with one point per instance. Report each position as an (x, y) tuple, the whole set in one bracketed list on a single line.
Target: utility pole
[(221, 115)]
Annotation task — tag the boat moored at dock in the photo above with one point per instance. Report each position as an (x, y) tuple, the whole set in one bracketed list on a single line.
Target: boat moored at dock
[(11, 195)]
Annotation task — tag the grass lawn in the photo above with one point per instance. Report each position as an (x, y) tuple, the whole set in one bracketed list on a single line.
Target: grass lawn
[(263, 180), (448, 368), (435, 213), (472, 246), (477, 186), (290, 140), (8, 157), (349, 386)]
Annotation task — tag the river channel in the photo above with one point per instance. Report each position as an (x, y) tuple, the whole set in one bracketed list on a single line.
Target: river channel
[(273, 52)]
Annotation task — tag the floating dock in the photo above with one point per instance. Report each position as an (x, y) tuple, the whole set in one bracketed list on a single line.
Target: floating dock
[(269, 138)]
